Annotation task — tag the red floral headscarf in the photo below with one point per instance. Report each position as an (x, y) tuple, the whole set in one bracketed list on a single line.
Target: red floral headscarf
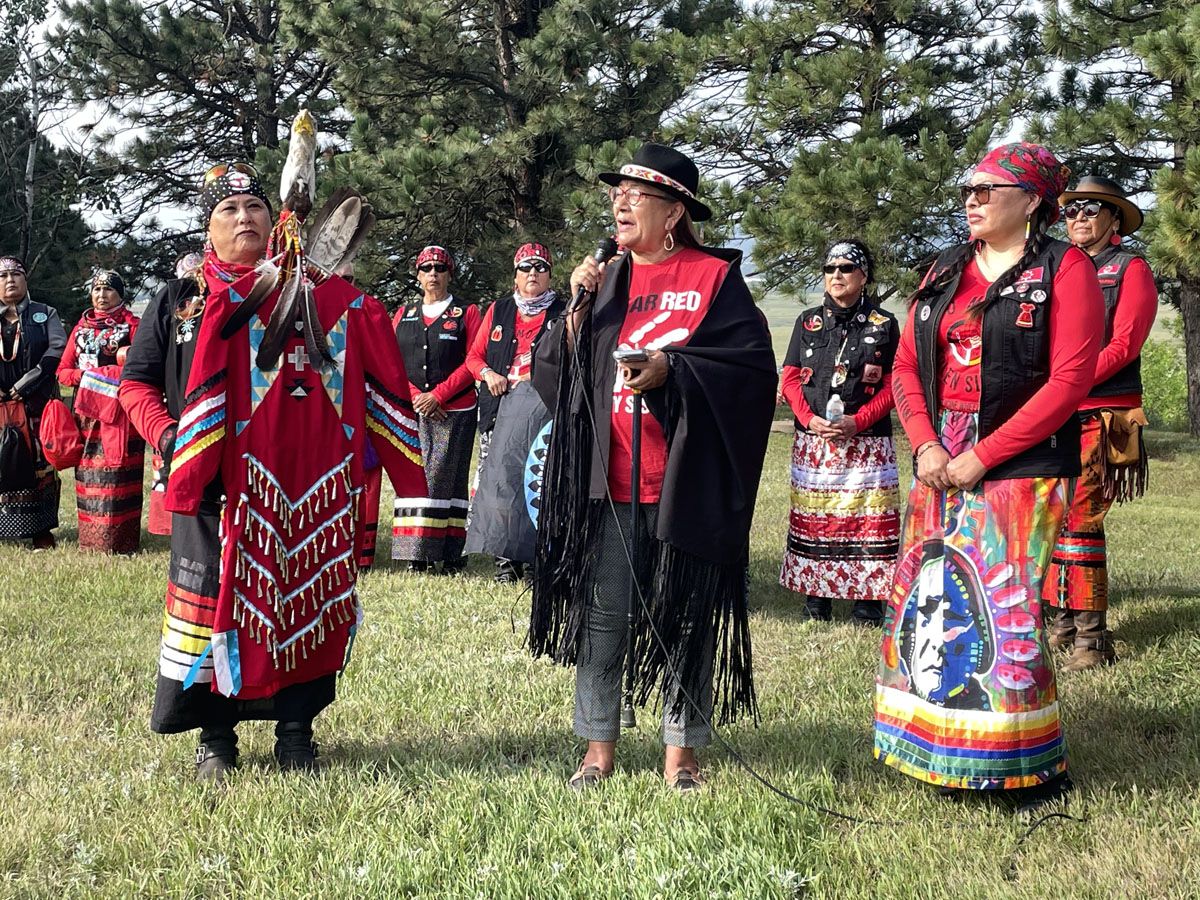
[(435, 254), (1032, 167)]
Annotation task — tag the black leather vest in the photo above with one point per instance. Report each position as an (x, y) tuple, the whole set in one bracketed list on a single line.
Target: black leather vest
[(1111, 265), (1014, 362), (501, 346), (431, 353), (864, 343)]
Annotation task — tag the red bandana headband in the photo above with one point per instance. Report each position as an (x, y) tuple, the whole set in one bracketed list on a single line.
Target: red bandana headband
[(632, 171), (435, 254), (1032, 167), (532, 251)]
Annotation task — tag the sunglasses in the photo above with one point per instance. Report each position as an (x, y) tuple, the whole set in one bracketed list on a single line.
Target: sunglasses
[(841, 268), (635, 196), (1089, 209), (983, 192), (220, 170), (433, 267), (538, 267)]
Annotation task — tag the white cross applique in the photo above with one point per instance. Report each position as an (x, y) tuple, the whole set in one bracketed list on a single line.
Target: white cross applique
[(298, 358)]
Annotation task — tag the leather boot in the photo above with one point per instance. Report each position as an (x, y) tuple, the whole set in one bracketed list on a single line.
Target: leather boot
[(1062, 630), (294, 747), (819, 609), (1093, 642), (217, 754), (868, 613)]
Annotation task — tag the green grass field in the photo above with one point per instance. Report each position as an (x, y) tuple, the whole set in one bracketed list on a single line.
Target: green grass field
[(445, 756)]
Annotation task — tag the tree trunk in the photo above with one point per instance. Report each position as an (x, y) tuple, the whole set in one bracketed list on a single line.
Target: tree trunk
[(1189, 307), (266, 122), (25, 242)]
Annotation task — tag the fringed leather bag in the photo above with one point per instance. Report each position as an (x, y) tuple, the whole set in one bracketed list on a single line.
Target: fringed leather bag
[(1125, 467)]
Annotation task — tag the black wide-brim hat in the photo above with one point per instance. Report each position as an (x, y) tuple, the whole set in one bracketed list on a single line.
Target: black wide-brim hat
[(668, 170), (1097, 187)]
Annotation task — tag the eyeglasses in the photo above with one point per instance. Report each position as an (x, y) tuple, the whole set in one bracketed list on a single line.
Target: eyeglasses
[(1089, 209), (433, 267), (841, 268), (222, 169), (537, 266), (982, 192), (635, 196)]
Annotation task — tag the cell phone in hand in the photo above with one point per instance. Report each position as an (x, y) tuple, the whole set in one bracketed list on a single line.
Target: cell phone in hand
[(631, 357)]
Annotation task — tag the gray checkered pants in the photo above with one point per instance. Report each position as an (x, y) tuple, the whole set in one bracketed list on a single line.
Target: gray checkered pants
[(601, 663)]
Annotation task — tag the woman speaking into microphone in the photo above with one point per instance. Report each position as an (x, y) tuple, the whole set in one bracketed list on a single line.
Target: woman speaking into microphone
[(706, 382)]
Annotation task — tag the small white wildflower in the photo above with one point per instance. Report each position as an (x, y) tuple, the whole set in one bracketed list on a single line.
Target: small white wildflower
[(84, 855)]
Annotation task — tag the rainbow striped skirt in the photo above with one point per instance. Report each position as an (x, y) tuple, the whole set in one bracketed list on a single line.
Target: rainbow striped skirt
[(966, 695)]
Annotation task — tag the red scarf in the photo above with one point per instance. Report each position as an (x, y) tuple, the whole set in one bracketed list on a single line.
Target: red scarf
[(118, 315), (218, 275)]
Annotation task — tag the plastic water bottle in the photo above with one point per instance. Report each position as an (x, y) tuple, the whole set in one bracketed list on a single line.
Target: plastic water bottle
[(835, 408)]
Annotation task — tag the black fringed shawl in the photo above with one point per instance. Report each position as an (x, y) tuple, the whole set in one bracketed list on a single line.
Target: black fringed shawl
[(716, 411)]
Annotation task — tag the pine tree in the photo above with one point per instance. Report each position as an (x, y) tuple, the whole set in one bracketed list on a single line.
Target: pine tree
[(38, 182), (174, 87), (856, 117), (481, 123), (1128, 106)]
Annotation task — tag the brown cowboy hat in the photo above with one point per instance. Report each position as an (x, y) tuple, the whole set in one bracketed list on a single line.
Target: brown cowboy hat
[(1097, 187)]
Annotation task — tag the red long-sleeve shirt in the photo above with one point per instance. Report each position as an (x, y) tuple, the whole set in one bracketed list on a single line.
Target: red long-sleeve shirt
[(1137, 305), (526, 331), (792, 389), (147, 410), (1074, 347)]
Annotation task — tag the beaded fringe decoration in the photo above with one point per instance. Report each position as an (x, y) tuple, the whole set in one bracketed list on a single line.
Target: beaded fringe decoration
[(280, 542)]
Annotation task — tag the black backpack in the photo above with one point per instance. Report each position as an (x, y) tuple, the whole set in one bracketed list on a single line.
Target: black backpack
[(17, 471)]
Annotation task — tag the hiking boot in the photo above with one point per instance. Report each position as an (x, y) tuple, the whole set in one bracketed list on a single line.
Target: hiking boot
[(295, 750), (1062, 631)]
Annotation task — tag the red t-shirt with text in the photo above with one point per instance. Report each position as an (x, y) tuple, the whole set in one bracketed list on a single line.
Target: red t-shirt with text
[(667, 302), (961, 339)]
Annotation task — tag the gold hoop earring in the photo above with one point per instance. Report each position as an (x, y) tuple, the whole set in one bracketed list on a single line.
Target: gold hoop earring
[(669, 242)]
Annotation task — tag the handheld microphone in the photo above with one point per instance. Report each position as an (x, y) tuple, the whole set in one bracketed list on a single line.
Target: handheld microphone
[(605, 250)]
